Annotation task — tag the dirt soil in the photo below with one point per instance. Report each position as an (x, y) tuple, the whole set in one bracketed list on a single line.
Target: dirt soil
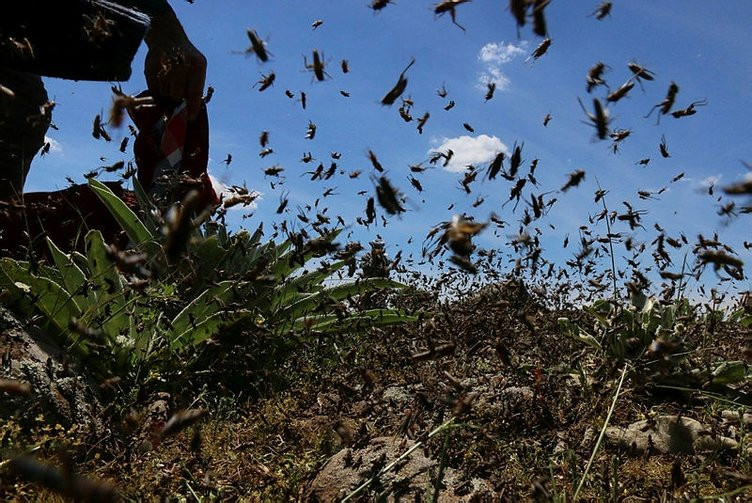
[(313, 420)]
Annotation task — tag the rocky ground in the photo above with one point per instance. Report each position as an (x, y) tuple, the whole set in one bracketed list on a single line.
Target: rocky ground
[(519, 408)]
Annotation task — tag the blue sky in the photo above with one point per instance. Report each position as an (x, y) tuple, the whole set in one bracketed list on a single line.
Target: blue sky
[(702, 46)]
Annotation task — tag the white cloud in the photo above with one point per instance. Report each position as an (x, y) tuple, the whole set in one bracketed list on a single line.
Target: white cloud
[(493, 55), (497, 54), (470, 150), (710, 181), (493, 74), (54, 144)]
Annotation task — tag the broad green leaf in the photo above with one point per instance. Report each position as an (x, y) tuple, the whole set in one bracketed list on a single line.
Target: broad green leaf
[(649, 305), (146, 205), (209, 327), (80, 260), (109, 310), (51, 299), (136, 230), (741, 316), (211, 301), (730, 372), (638, 300), (362, 320), (257, 235), (668, 317), (73, 277), (573, 331), (279, 259), (310, 302), (340, 292), (602, 310), (284, 266), (309, 282)]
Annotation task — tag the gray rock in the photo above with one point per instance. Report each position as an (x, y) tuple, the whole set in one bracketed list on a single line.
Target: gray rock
[(413, 479), (733, 416), (522, 393), (396, 394), (59, 392), (668, 434)]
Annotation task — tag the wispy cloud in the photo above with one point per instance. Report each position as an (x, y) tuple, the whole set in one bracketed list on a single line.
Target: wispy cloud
[(54, 144), (470, 150), (500, 53), (710, 181), (495, 54)]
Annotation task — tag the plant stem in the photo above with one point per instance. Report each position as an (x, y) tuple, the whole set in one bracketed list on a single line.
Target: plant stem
[(603, 432), (440, 475), (681, 280), (610, 241)]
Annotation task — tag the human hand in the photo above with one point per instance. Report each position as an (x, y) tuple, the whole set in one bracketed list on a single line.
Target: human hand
[(174, 68)]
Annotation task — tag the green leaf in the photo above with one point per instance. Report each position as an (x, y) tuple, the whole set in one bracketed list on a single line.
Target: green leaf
[(210, 326), (108, 313), (639, 300), (146, 205), (80, 260), (309, 282), (730, 372), (313, 301), (573, 331), (279, 259), (212, 301), (602, 310), (360, 321), (340, 292), (256, 236), (51, 299), (136, 230), (668, 317), (742, 317), (73, 277), (284, 266)]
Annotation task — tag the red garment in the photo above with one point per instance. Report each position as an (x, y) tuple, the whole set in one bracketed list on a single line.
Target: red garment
[(167, 144)]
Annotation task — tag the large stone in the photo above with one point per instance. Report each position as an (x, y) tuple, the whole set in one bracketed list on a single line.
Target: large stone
[(668, 434), (59, 392), (412, 480)]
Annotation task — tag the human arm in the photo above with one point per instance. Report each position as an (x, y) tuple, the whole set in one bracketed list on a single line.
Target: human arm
[(174, 68)]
